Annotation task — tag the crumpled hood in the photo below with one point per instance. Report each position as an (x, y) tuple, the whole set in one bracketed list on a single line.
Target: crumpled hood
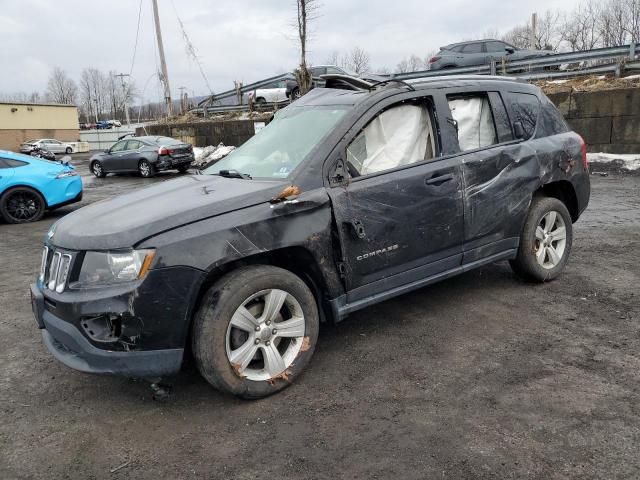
[(124, 221)]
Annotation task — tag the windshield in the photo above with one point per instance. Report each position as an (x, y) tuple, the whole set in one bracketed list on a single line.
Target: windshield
[(282, 145)]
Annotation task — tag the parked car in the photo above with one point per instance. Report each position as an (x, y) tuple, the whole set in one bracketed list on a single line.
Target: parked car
[(145, 155), (104, 125), (343, 200), (50, 144), (115, 123), (29, 186), (480, 52), (292, 90), (273, 93)]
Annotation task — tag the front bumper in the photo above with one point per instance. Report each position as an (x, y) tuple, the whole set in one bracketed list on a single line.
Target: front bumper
[(153, 326)]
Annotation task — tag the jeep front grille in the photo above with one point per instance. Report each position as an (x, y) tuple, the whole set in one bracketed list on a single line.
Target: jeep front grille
[(54, 269)]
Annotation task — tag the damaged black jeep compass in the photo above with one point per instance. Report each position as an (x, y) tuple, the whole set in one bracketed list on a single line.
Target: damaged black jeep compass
[(345, 199)]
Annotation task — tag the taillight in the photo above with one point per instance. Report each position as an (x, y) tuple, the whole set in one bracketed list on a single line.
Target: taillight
[(164, 151), (434, 59), (583, 152)]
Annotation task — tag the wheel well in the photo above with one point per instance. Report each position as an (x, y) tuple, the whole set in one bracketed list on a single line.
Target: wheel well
[(297, 260), (563, 191), (29, 187)]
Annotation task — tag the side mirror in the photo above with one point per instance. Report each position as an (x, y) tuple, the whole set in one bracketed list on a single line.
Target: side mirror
[(518, 129), (509, 50)]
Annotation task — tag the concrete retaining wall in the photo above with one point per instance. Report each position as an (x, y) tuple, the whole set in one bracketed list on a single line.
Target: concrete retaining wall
[(608, 120), (201, 134)]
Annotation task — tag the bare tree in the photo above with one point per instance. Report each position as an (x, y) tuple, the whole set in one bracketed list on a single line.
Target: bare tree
[(333, 58), (61, 88), (357, 60), (307, 12), (613, 24), (580, 28), (632, 8)]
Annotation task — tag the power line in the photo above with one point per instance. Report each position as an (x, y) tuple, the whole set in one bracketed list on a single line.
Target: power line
[(135, 46), (191, 49)]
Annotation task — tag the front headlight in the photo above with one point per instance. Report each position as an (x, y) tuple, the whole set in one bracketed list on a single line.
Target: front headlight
[(107, 268)]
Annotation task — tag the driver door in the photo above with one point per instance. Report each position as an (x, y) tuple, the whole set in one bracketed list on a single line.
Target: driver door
[(399, 215), (116, 160)]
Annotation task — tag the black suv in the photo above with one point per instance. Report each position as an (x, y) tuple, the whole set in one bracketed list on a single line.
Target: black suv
[(346, 199)]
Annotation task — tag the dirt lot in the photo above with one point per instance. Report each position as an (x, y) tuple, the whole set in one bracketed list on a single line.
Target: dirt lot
[(481, 376)]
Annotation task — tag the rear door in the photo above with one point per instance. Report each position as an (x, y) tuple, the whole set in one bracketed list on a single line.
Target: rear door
[(472, 54), (499, 173), (399, 216), (55, 146), (131, 155)]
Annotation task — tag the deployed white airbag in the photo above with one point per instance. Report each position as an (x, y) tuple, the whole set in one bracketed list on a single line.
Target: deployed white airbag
[(475, 122), (396, 137)]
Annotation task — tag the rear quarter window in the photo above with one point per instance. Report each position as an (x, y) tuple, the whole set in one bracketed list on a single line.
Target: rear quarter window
[(551, 120), (523, 108)]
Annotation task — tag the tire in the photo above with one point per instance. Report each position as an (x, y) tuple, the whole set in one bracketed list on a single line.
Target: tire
[(216, 341), (545, 242), (183, 168), (261, 101), (97, 169), (295, 94), (68, 151), (22, 205), (146, 169)]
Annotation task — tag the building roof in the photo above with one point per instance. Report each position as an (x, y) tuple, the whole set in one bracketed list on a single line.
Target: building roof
[(29, 104)]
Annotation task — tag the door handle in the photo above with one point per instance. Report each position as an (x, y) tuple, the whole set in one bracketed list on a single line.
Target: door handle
[(437, 179)]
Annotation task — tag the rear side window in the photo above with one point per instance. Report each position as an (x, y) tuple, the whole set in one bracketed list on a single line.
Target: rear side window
[(133, 145), (11, 163), (474, 121), (523, 108), (472, 48), (495, 47)]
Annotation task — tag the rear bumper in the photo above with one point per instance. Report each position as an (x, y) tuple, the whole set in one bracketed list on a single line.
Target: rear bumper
[(169, 163), (69, 346)]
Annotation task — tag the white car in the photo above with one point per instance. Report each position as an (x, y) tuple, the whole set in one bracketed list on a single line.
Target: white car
[(273, 93), (54, 146)]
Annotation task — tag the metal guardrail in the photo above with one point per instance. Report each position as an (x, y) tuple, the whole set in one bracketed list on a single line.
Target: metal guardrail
[(528, 69)]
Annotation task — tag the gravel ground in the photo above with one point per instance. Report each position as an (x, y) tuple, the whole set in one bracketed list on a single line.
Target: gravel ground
[(480, 376)]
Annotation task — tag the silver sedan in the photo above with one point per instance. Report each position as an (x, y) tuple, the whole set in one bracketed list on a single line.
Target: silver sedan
[(54, 146)]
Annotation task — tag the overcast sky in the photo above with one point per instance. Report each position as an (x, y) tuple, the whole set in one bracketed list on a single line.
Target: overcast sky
[(235, 39)]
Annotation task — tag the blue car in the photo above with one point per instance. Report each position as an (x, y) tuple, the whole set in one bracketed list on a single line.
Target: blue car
[(29, 186)]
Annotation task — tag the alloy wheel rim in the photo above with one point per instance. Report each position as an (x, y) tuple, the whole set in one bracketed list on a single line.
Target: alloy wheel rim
[(265, 335), (22, 206), (144, 169), (551, 240), (97, 169)]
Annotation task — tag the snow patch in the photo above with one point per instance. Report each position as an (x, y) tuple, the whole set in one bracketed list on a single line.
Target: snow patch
[(211, 154), (625, 161)]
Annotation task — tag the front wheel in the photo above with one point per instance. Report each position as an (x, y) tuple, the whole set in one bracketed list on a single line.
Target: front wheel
[(146, 169), (545, 243), (98, 170), (68, 151), (22, 205), (255, 331)]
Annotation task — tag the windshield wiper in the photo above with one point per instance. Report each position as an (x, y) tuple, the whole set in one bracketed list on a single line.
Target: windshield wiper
[(234, 174)]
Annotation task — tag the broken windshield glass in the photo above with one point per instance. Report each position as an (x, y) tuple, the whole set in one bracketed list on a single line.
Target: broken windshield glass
[(283, 144)]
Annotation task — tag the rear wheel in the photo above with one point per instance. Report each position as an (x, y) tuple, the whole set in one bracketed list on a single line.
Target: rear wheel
[(255, 331), (146, 169), (97, 170), (68, 151), (295, 94), (22, 205), (183, 168), (261, 101), (545, 243)]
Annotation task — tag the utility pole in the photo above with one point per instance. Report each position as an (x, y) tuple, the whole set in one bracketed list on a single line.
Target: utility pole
[(534, 26), (126, 96), (183, 103), (163, 63)]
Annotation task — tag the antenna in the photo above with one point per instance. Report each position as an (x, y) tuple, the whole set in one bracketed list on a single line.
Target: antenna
[(163, 63)]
